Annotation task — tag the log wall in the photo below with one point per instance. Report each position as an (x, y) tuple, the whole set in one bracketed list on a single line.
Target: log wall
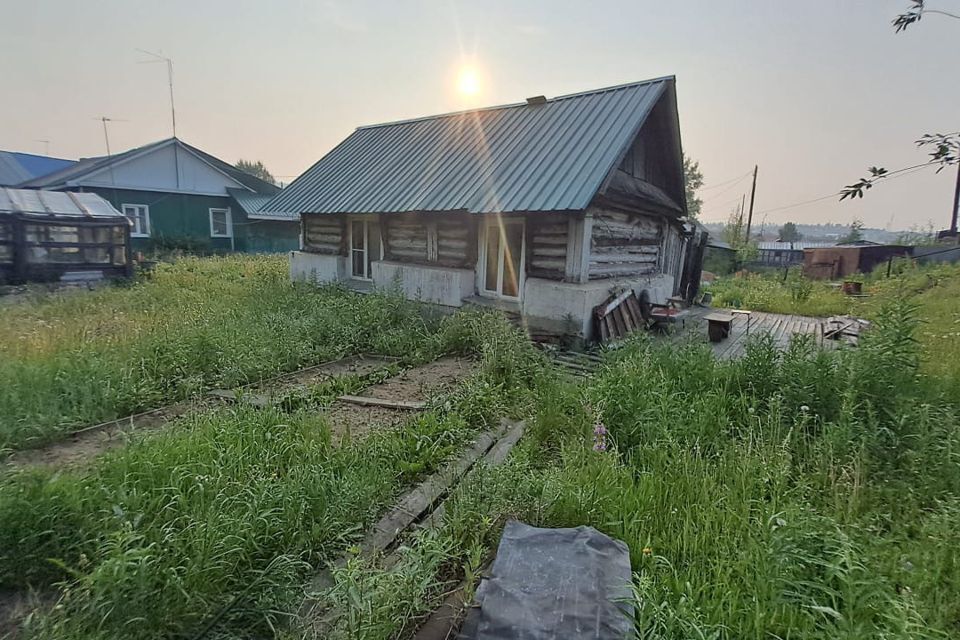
[(456, 241), (547, 246), (405, 238), (324, 234), (624, 245)]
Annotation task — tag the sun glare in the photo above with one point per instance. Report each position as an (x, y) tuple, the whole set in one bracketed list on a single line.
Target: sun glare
[(468, 82)]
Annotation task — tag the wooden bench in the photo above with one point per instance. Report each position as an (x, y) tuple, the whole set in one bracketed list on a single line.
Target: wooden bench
[(718, 325)]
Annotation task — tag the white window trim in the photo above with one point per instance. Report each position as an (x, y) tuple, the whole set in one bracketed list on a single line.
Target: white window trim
[(494, 226), (229, 219), (365, 220), (134, 233)]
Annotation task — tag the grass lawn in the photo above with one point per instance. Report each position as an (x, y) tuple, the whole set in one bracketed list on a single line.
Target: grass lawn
[(799, 495), (73, 359)]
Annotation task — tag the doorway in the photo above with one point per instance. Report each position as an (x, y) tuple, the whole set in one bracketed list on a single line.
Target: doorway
[(365, 247), (503, 259)]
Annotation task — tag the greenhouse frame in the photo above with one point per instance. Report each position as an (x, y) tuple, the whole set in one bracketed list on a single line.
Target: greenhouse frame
[(61, 236)]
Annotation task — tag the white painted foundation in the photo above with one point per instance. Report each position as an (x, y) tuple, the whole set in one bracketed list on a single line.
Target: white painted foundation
[(437, 285), (547, 305), (317, 267)]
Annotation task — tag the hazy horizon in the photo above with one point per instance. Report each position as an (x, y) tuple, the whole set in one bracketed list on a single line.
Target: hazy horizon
[(812, 93)]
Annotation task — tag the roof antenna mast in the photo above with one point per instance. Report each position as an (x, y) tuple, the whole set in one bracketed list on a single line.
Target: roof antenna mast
[(106, 137), (160, 58)]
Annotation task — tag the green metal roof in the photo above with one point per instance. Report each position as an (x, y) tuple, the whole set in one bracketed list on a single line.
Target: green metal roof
[(251, 203), (550, 155)]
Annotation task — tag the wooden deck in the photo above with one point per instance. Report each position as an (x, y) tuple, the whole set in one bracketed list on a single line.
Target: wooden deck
[(781, 327)]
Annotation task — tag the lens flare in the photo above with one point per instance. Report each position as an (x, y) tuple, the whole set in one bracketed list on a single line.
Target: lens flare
[(468, 82)]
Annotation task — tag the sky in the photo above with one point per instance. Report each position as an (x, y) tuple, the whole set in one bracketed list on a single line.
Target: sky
[(812, 92)]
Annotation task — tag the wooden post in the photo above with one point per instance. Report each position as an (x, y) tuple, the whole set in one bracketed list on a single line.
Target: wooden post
[(19, 229), (753, 192), (586, 242), (956, 204)]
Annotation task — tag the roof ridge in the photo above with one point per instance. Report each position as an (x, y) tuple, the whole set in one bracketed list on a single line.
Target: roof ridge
[(36, 155), (514, 105)]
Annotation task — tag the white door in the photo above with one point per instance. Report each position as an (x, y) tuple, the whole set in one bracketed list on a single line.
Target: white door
[(365, 247), (503, 259)]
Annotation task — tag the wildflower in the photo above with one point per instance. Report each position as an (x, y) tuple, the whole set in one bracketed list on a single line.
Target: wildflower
[(750, 410), (599, 434), (804, 408), (647, 551)]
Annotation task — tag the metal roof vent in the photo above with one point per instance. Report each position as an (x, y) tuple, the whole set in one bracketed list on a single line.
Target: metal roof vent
[(537, 100)]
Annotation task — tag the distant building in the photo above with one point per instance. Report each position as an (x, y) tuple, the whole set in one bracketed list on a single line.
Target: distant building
[(785, 254), (844, 260), (176, 195), (17, 168)]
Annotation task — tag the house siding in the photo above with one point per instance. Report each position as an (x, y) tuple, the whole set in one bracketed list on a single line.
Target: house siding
[(185, 218)]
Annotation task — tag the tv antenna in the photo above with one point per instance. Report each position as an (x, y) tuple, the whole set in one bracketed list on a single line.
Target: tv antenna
[(106, 136), (160, 58)]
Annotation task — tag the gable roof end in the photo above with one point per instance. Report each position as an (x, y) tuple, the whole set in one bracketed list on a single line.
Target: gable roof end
[(552, 156), (88, 166)]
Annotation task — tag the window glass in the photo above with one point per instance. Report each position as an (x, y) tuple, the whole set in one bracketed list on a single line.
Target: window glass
[(358, 255), (139, 216), (511, 259), (220, 223), (373, 245), (493, 258)]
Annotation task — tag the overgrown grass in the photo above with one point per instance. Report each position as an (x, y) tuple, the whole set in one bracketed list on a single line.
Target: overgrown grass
[(67, 360), (214, 524), (800, 495), (806, 494), (935, 289)]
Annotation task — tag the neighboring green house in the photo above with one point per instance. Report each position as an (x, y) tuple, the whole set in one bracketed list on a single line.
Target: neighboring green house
[(176, 195)]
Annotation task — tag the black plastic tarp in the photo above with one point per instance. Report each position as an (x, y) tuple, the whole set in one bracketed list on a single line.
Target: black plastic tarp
[(552, 584)]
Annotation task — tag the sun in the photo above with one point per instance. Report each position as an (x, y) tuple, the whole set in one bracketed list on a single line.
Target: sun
[(468, 82)]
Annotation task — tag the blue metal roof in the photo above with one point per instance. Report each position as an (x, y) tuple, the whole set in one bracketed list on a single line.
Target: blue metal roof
[(552, 156), (18, 167)]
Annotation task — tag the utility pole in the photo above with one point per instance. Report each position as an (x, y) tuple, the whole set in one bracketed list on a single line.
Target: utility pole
[(753, 193)]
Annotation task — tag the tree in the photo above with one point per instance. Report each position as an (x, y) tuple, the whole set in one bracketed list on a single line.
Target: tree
[(855, 234), (788, 233), (734, 234), (256, 169), (693, 179), (946, 147)]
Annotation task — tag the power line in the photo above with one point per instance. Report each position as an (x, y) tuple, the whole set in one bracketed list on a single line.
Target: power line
[(892, 175), (720, 184)]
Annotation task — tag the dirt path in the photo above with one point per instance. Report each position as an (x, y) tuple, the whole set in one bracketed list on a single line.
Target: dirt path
[(85, 444), (420, 384)]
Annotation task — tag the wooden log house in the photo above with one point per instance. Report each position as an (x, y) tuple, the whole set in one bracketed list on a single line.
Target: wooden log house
[(543, 208)]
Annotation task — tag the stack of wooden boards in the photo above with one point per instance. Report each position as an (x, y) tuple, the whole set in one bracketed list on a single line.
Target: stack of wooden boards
[(845, 328)]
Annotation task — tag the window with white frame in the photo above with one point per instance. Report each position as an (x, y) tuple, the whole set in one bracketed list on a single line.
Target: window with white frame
[(221, 223), (139, 217)]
